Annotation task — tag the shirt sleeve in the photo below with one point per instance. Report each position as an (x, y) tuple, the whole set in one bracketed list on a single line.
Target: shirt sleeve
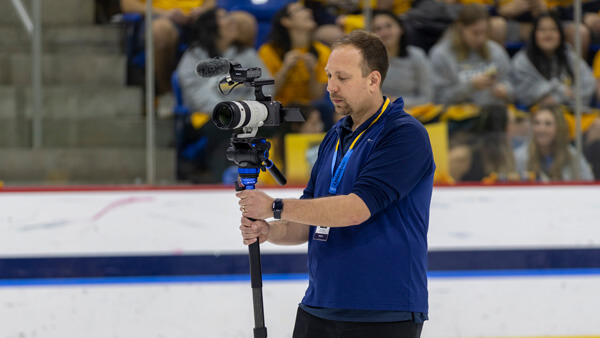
[(399, 162)]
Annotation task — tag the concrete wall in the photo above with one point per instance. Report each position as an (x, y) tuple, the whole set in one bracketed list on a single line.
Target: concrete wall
[(504, 262)]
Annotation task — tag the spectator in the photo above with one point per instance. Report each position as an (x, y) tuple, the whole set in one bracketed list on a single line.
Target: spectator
[(214, 34), (548, 154), (543, 75), (491, 151), (543, 72), (467, 66), (591, 21), (409, 74), (295, 60), (247, 27), (497, 23), (172, 19)]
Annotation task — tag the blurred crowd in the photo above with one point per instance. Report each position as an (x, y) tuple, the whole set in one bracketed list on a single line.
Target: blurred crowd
[(500, 73)]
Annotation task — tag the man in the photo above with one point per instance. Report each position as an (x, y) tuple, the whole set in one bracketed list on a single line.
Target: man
[(364, 212)]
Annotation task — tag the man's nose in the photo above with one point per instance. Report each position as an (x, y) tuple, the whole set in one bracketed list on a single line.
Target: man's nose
[(331, 87)]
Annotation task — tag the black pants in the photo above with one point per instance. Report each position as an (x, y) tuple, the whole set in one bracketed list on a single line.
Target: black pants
[(309, 326)]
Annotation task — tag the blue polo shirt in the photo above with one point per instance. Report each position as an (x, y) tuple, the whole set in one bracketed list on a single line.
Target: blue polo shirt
[(381, 264)]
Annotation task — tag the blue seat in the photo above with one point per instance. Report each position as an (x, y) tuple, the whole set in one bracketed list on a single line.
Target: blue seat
[(180, 107)]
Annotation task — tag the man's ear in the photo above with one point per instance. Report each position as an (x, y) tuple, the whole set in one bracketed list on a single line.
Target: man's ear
[(375, 79)]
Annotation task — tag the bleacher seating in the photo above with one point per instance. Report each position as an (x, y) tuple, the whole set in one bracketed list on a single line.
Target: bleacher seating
[(93, 128)]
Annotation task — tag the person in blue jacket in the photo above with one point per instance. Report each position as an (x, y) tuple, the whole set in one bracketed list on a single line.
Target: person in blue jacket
[(364, 212)]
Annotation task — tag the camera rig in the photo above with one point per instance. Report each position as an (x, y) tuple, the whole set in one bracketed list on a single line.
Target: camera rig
[(251, 153)]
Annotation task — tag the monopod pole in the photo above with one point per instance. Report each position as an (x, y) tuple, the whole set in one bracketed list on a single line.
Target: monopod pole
[(260, 331)]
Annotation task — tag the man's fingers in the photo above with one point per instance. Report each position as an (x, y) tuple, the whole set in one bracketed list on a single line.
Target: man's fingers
[(251, 230), (249, 234), (249, 241), (254, 229), (246, 221)]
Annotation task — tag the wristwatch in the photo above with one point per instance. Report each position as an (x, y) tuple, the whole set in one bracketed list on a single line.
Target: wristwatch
[(277, 208)]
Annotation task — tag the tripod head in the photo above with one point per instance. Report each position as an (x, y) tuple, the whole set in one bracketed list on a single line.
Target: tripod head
[(251, 155)]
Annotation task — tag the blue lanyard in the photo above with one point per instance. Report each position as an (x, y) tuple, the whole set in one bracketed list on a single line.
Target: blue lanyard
[(337, 176)]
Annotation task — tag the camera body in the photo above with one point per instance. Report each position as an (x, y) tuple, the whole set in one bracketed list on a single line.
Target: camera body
[(250, 115)]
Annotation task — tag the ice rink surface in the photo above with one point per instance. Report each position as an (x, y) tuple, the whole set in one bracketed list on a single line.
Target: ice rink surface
[(540, 245)]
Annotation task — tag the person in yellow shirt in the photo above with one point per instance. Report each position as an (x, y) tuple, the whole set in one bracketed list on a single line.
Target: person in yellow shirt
[(170, 19), (296, 61)]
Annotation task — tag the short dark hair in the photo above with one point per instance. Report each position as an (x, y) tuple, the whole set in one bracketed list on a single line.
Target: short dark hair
[(372, 49)]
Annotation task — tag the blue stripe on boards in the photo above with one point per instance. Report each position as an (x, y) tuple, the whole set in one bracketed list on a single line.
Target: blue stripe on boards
[(279, 277), (212, 268), (514, 259)]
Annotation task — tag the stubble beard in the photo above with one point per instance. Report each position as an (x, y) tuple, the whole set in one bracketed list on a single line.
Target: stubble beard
[(343, 110)]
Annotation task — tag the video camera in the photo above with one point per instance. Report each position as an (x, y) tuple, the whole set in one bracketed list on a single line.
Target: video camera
[(249, 152), (247, 115)]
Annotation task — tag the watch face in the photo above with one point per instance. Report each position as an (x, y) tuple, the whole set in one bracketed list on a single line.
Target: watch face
[(278, 205)]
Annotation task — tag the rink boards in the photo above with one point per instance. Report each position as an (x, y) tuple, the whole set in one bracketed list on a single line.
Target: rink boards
[(505, 261)]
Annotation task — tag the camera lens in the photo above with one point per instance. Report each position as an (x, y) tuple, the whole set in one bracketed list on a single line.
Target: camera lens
[(238, 114), (224, 115)]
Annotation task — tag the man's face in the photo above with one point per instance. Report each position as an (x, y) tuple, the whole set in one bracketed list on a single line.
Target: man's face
[(347, 87)]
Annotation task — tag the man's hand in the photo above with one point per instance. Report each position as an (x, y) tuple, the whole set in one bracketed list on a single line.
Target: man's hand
[(252, 230), (255, 204)]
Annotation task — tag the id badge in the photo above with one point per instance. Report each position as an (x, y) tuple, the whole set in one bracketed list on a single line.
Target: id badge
[(321, 234)]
